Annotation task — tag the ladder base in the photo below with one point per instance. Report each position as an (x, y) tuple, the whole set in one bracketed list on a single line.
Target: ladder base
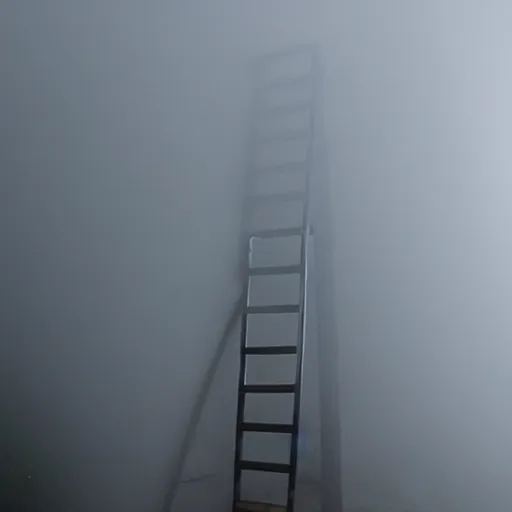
[(253, 506)]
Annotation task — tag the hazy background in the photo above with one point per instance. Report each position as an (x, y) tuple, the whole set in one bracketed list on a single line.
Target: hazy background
[(123, 130)]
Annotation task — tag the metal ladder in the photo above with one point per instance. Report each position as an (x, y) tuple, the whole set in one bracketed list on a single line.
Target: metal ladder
[(264, 109)]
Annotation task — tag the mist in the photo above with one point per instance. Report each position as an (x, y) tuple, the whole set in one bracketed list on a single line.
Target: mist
[(124, 129)]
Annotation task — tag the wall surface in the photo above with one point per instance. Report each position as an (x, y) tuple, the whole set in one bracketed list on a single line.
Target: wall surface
[(116, 184), (121, 191)]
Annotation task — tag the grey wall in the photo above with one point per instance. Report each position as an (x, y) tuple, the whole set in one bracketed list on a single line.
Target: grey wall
[(419, 175), (112, 113), (121, 196)]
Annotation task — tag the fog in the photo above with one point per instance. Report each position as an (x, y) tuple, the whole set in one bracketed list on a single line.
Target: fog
[(123, 151)]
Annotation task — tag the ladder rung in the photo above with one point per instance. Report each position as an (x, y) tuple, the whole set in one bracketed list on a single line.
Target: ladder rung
[(273, 271), (286, 109), (273, 310), (289, 81), (308, 49), (275, 428), (272, 467), (271, 350), (276, 233), (290, 167), (269, 388), (285, 136), (254, 506), (292, 195)]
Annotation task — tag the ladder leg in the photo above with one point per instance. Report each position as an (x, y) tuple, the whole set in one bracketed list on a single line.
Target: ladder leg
[(302, 229)]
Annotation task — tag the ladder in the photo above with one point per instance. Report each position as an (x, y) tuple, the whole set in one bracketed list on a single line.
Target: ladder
[(276, 100)]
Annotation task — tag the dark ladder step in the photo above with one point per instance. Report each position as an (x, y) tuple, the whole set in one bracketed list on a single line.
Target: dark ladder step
[(285, 136), (268, 388), (273, 310), (271, 350), (292, 195), (287, 168), (272, 467), (255, 506), (276, 428), (277, 232), (274, 271)]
